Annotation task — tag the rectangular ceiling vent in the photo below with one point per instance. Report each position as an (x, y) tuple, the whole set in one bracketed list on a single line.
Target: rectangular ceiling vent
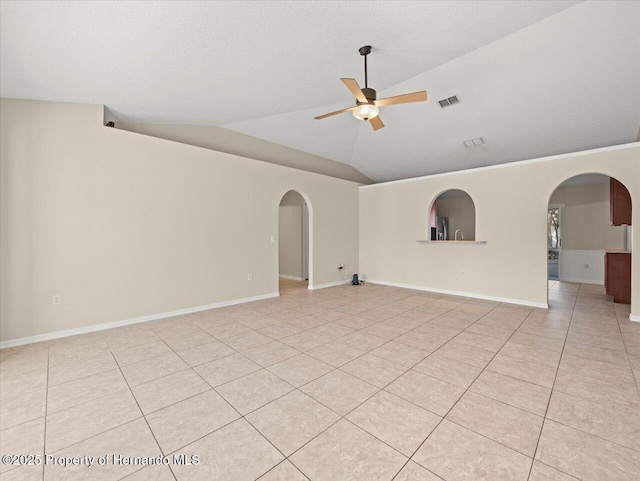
[(449, 101), (474, 142)]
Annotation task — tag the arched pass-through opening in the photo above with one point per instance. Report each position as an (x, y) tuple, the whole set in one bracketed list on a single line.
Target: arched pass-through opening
[(452, 216), (295, 245), (589, 236)]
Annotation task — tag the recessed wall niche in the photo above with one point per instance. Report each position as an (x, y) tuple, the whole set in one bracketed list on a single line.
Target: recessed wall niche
[(452, 217)]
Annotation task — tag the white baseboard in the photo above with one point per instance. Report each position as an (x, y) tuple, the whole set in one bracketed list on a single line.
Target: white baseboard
[(136, 320), (330, 284), (293, 278), (541, 305), (634, 318), (581, 281)]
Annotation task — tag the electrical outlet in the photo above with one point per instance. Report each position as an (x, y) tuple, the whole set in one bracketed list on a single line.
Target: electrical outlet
[(249, 277), (57, 300), (273, 239), (462, 273)]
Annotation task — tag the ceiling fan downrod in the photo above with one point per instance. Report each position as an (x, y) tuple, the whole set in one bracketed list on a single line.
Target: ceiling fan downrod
[(367, 105), (364, 51)]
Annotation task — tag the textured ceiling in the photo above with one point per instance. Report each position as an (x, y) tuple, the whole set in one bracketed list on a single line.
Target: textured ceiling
[(565, 84), (534, 78)]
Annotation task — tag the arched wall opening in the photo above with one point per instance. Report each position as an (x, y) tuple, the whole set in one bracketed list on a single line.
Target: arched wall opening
[(295, 245), (589, 234), (452, 216)]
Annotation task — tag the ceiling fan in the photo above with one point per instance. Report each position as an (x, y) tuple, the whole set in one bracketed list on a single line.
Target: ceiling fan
[(367, 107)]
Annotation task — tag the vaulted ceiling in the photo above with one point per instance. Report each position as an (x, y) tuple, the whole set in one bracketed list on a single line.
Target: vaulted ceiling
[(534, 78)]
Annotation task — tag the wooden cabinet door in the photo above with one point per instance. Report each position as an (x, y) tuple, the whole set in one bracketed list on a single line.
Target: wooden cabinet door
[(618, 276), (620, 205)]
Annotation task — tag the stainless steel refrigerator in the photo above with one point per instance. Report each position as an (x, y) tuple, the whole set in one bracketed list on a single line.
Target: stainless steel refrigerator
[(442, 228)]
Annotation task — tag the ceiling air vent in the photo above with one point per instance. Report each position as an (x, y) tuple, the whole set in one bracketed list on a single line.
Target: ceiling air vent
[(474, 142), (449, 101)]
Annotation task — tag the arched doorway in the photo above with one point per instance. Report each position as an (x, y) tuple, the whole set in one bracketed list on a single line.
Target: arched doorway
[(589, 235), (295, 268)]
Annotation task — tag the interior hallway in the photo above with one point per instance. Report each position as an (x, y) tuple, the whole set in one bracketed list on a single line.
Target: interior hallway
[(367, 382)]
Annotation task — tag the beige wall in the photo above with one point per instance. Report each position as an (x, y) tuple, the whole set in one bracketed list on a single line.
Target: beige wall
[(585, 218), (123, 225), (231, 142), (461, 213), (511, 203), (290, 235)]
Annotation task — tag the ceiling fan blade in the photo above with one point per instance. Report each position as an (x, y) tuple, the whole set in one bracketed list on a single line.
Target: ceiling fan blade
[(403, 99), (319, 117), (376, 122), (353, 86)]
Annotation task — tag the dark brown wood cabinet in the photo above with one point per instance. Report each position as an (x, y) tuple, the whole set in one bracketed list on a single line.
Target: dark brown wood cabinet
[(617, 276), (620, 203)]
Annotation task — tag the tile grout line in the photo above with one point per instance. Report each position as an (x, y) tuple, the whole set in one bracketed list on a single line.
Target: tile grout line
[(480, 434), (454, 404), (376, 393), (97, 434), (588, 433), (387, 341), (281, 462), (550, 389), (46, 412), (143, 415), (340, 417), (328, 342), (262, 368), (279, 397), (554, 384), (242, 416), (466, 390), (635, 378), (102, 432)]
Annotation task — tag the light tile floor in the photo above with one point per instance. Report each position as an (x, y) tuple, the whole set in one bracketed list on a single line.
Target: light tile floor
[(347, 383)]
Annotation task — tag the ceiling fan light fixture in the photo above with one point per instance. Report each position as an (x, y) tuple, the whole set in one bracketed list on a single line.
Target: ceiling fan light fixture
[(365, 111), (367, 104)]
